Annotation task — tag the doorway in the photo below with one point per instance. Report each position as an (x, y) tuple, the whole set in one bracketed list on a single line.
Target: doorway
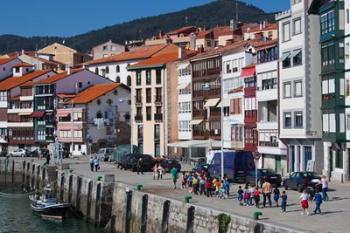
[(330, 161), (278, 165)]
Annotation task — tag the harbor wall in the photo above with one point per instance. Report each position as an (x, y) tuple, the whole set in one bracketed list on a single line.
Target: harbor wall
[(122, 208)]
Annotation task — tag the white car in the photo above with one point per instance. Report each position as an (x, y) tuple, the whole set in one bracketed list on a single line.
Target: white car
[(18, 153)]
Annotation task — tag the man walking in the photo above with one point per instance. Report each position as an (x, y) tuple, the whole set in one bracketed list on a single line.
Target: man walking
[(173, 172), (267, 190), (324, 182), (91, 162)]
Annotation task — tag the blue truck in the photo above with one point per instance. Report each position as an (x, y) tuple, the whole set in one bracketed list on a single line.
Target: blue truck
[(237, 164)]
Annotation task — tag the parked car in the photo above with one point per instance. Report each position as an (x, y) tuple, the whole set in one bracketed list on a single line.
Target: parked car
[(264, 174), (18, 153), (168, 164), (105, 154), (124, 162), (301, 180), (203, 167), (39, 152), (147, 162)]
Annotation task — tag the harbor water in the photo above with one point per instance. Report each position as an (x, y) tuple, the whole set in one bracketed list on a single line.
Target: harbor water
[(17, 216)]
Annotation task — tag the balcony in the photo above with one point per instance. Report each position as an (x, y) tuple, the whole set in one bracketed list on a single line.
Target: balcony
[(268, 144), (158, 117), (215, 134), (250, 117), (211, 93), (215, 113), (199, 114), (158, 99), (138, 118), (249, 91), (200, 135)]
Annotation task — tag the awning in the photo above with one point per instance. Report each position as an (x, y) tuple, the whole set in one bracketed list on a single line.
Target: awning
[(224, 103), (196, 122), (248, 72), (63, 113), (182, 86), (285, 56), (25, 113), (296, 52), (38, 114), (211, 102)]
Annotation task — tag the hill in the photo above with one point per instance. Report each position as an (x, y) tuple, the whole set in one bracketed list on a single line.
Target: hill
[(212, 14)]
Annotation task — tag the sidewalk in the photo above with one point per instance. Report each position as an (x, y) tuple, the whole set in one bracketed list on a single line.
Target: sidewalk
[(335, 217)]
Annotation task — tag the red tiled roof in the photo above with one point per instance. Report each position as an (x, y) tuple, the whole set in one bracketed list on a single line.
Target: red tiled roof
[(94, 92), (269, 26), (138, 53), (187, 29), (221, 50), (259, 44), (22, 64), (13, 82), (57, 77), (6, 60)]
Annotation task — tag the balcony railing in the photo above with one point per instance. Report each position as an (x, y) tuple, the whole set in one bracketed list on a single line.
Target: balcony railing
[(268, 144), (200, 134), (138, 118), (158, 117), (199, 113), (207, 93), (250, 116)]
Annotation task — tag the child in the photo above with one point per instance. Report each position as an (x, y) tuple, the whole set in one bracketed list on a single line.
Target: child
[(201, 185), (251, 190), (240, 194), (226, 186), (284, 198), (318, 202), (184, 180), (208, 187), (304, 202), (246, 195), (256, 196), (276, 195)]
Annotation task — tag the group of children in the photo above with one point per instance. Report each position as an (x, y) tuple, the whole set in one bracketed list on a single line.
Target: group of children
[(203, 184), (251, 195)]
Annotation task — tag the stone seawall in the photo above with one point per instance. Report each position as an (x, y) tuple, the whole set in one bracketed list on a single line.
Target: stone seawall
[(123, 209)]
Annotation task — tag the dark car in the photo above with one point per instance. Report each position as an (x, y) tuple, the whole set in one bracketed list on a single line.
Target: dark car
[(202, 167), (129, 161), (264, 174), (301, 180), (168, 164)]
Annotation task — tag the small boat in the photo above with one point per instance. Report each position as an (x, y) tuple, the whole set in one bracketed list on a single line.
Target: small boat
[(46, 204)]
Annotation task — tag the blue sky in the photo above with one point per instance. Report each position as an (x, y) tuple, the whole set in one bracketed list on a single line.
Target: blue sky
[(71, 17)]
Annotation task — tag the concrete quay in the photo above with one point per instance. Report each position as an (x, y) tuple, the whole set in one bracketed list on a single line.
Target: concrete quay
[(108, 197)]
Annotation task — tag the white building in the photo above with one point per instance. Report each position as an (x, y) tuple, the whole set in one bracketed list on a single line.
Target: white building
[(6, 65), (272, 150), (299, 95), (233, 98), (115, 67)]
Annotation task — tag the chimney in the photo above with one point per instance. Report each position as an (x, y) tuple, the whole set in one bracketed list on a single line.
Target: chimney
[(261, 25), (22, 53), (68, 69), (181, 52)]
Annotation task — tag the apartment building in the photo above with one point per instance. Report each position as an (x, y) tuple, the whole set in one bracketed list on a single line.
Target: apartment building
[(46, 93), (299, 95), (65, 54), (106, 49), (41, 61), (115, 67), (271, 149), (334, 28), (233, 60), (96, 117), (154, 102), (16, 105)]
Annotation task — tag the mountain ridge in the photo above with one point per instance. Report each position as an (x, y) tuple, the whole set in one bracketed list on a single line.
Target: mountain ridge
[(212, 14)]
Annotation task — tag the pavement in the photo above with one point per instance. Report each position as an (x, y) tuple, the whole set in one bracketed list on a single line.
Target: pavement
[(335, 216)]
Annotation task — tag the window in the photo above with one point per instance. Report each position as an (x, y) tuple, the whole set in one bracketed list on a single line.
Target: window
[(139, 111), (341, 53), (298, 120), (156, 132), (297, 26), (286, 60), (96, 70), (117, 79), (348, 122), (287, 90), (328, 86), (138, 78), (158, 76), (148, 95), (158, 110), (226, 111), (342, 122), (339, 159), (148, 77), (235, 106), (297, 57), (128, 80), (327, 54), (228, 68), (286, 32), (347, 16), (298, 88), (328, 22), (107, 69), (148, 113), (117, 69), (287, 120)]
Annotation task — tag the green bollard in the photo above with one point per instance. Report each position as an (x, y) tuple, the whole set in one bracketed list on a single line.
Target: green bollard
[(188, 198), (256, 215), (139, 187), (99, 178)]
